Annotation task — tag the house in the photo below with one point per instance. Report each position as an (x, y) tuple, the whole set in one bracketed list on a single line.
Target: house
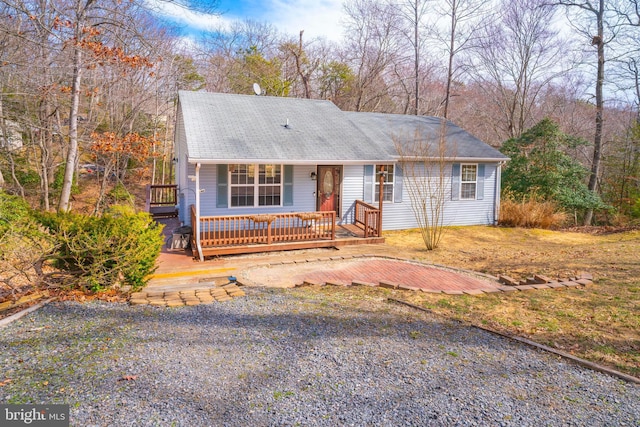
[(254, 170)]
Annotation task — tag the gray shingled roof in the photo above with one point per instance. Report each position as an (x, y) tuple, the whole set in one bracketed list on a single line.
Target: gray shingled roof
[(226, 127), (406, 129), (223, 128)]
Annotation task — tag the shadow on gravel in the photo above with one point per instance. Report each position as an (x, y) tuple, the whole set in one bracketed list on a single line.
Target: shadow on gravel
[(184, 324)]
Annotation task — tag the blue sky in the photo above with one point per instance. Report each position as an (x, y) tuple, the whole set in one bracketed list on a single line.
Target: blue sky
[(318, 18)]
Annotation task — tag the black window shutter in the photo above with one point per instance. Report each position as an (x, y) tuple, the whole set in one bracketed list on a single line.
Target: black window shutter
[(223, 187)]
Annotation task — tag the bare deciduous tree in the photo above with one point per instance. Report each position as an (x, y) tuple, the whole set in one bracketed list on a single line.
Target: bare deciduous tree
[(464, 20), (516, 59), (221, 53), (370, 50), (411, 24), (593, 20), (424, 160)]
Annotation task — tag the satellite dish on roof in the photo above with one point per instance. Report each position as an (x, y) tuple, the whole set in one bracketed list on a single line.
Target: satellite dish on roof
[(257, 89)]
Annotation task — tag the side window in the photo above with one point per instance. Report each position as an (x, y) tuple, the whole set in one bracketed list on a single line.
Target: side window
[(388, 186), (468, 182)]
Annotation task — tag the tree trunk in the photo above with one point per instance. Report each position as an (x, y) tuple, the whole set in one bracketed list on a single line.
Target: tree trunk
[(452, 41), (416, 64), (4, 137), (303, 76), (6, 146), (597, 140), (72, 153)]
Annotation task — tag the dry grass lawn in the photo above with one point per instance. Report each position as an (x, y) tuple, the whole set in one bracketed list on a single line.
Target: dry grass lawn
[(600, 322)]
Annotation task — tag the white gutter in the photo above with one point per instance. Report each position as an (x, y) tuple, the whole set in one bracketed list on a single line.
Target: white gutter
[(452, 159), (342, 161), (498, 191), (197, 225), (289, 162)]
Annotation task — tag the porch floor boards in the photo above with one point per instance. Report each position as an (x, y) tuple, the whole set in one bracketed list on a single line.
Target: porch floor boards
[(346, 235), (163, 212)]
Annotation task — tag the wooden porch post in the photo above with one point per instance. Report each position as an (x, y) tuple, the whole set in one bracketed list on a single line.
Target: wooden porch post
[(196, 228), (379, 224), (333, 225)]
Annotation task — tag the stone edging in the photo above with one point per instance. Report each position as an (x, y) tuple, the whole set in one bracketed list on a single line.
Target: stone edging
[(199, 294), (7, 320), (565, 355)]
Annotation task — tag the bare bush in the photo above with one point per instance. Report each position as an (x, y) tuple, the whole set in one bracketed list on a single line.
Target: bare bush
[(424, 161), (21, 253), (530, 212)]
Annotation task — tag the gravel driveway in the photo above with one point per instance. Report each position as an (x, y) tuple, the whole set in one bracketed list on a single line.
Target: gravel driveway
[(293, 357)]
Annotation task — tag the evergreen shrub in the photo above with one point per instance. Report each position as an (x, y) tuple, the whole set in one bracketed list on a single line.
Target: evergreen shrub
[(118, 248)]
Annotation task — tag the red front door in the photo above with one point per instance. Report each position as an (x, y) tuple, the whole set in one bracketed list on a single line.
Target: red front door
[(329, 180)]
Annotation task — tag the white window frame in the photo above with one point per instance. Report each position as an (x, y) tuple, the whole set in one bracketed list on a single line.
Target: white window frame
[(256, 185), (463, 182), (376, 182)]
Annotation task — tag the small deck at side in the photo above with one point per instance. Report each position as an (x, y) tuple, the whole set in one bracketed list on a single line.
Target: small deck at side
[(161, 201)]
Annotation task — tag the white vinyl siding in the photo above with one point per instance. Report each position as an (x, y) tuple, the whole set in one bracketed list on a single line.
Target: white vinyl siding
[(182, 169), (303, 189), (352, 190), (396, 216), (400, 216)]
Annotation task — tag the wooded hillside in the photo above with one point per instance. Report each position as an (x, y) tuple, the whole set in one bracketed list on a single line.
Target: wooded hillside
[(94, 83)]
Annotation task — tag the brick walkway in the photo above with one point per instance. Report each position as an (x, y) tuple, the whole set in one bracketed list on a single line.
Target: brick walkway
[(351, 265), (394, 272), (372, 271)]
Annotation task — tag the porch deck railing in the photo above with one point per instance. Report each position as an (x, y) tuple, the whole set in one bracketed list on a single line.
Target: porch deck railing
[(265, 228), (368, 218), (161, 200)]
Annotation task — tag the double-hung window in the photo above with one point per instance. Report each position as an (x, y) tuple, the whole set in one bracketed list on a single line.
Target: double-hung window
[(255, 185), (387, 188), (468, 181)]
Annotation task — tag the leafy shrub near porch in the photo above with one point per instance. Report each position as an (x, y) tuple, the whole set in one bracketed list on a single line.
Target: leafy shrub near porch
[(118, 248), (529, 211)]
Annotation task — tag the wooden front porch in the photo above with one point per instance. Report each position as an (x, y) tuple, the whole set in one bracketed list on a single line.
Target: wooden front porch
[(227, 235), (239, 234)]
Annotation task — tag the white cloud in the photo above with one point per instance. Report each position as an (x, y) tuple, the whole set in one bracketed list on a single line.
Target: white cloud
[(317, 18), (195, 21)]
